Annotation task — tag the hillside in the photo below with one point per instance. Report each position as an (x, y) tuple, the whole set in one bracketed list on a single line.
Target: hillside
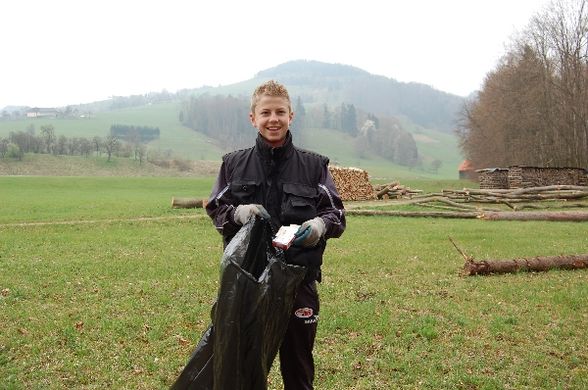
[(315, 83), (319, 82), (188, 144), (182, 141)]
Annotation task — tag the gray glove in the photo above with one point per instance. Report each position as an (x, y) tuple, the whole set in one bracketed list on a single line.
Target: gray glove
[(244, 212), (310, 232)]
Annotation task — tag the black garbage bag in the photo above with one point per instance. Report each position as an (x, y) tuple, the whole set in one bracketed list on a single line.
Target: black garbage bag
[(254, 303)]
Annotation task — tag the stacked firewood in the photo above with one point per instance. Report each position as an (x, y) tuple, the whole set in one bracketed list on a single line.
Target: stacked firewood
[(352, 183), (394, 190)]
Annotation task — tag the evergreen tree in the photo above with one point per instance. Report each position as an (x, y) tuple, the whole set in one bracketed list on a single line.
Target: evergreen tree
[(351, 120), (374, 119), (326, 117), (299, 117), (348, 119)]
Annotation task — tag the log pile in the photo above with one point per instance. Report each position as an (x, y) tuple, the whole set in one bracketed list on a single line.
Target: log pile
[(493, 178), (352, 183), (518, 199), (478, 203), (525, 177), (394, 190)]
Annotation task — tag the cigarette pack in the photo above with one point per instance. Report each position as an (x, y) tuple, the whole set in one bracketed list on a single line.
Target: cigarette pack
[(285, 236)]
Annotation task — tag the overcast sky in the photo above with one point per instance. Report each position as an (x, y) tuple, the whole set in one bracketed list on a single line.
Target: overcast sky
[(61, 52)]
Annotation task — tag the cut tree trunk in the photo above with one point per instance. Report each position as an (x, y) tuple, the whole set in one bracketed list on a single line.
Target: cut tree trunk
[(188, 203), (549, 188), (381, 192), (435, 214), (573, 216), (545, 263)]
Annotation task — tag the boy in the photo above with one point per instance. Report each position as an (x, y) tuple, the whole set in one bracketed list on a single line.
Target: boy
[(276, 180)]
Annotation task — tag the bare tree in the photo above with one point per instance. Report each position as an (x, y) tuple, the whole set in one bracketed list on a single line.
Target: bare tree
[(141, 153), (48, 134), (61, 145), (436, 164), (85, 147), (3, 147), (111, 145), (560, 36), (98, 143), (532, 109)]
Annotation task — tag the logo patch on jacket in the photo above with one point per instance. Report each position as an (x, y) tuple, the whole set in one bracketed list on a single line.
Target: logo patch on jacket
[(304, 312)]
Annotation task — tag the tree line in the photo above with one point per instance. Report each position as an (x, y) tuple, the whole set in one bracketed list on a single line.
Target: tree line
[(533, 108), (133, 133), (383, 136), (225, 118), (47, 142)]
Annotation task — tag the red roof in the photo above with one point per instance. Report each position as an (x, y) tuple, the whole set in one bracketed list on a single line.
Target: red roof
[(465, 165)]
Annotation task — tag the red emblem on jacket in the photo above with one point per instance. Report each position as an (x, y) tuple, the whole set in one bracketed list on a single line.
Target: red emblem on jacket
[(304, 312)]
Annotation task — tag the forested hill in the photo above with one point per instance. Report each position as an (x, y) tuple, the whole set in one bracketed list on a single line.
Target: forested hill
[(333, 84)]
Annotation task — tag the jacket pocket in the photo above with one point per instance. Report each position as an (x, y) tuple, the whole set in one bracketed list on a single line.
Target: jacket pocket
[(245, 192), (298, 203)]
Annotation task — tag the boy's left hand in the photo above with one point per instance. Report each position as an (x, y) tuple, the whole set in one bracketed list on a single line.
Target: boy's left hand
[(310, 232)]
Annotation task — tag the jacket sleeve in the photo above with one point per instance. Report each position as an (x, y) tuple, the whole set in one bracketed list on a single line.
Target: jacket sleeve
[(219, 207), (330, 206)]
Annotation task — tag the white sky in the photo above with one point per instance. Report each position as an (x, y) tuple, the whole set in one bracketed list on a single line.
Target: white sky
[(61, 52)]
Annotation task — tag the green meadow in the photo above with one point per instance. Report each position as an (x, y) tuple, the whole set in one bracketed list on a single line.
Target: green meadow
[(104, 285)]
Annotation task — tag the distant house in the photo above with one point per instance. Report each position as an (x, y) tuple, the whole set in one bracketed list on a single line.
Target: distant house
[(37, 112), (467, 171)]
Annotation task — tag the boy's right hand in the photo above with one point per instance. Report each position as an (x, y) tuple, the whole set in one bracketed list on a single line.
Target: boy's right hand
[(244, 212)]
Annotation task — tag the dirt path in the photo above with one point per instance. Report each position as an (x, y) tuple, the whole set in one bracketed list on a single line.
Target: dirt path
[(97, 221), (350, 205)]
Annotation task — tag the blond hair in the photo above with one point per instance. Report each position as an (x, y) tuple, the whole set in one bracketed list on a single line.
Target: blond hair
[(270, 88)]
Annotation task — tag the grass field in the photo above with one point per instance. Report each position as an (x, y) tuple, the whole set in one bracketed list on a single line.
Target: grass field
[(109, 298)]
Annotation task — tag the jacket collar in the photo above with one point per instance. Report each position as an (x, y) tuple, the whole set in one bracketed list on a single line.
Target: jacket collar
[(268, 152)]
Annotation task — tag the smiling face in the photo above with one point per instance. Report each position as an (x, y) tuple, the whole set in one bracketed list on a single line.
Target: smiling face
[(272, 117)]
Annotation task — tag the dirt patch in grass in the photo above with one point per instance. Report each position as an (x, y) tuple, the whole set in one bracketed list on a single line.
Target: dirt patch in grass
[(48, 165), (96, 221), (425, 139)]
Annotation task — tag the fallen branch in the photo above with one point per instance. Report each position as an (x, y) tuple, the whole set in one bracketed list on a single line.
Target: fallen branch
[(535, 264), (434, 214), (545, 207), (549, 188), (561, 192), (382, 192), (188, 203), (572, 216), (441, 207), (465, 256)]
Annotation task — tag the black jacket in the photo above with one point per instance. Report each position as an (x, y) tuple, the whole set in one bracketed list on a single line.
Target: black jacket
[(292, 184)]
